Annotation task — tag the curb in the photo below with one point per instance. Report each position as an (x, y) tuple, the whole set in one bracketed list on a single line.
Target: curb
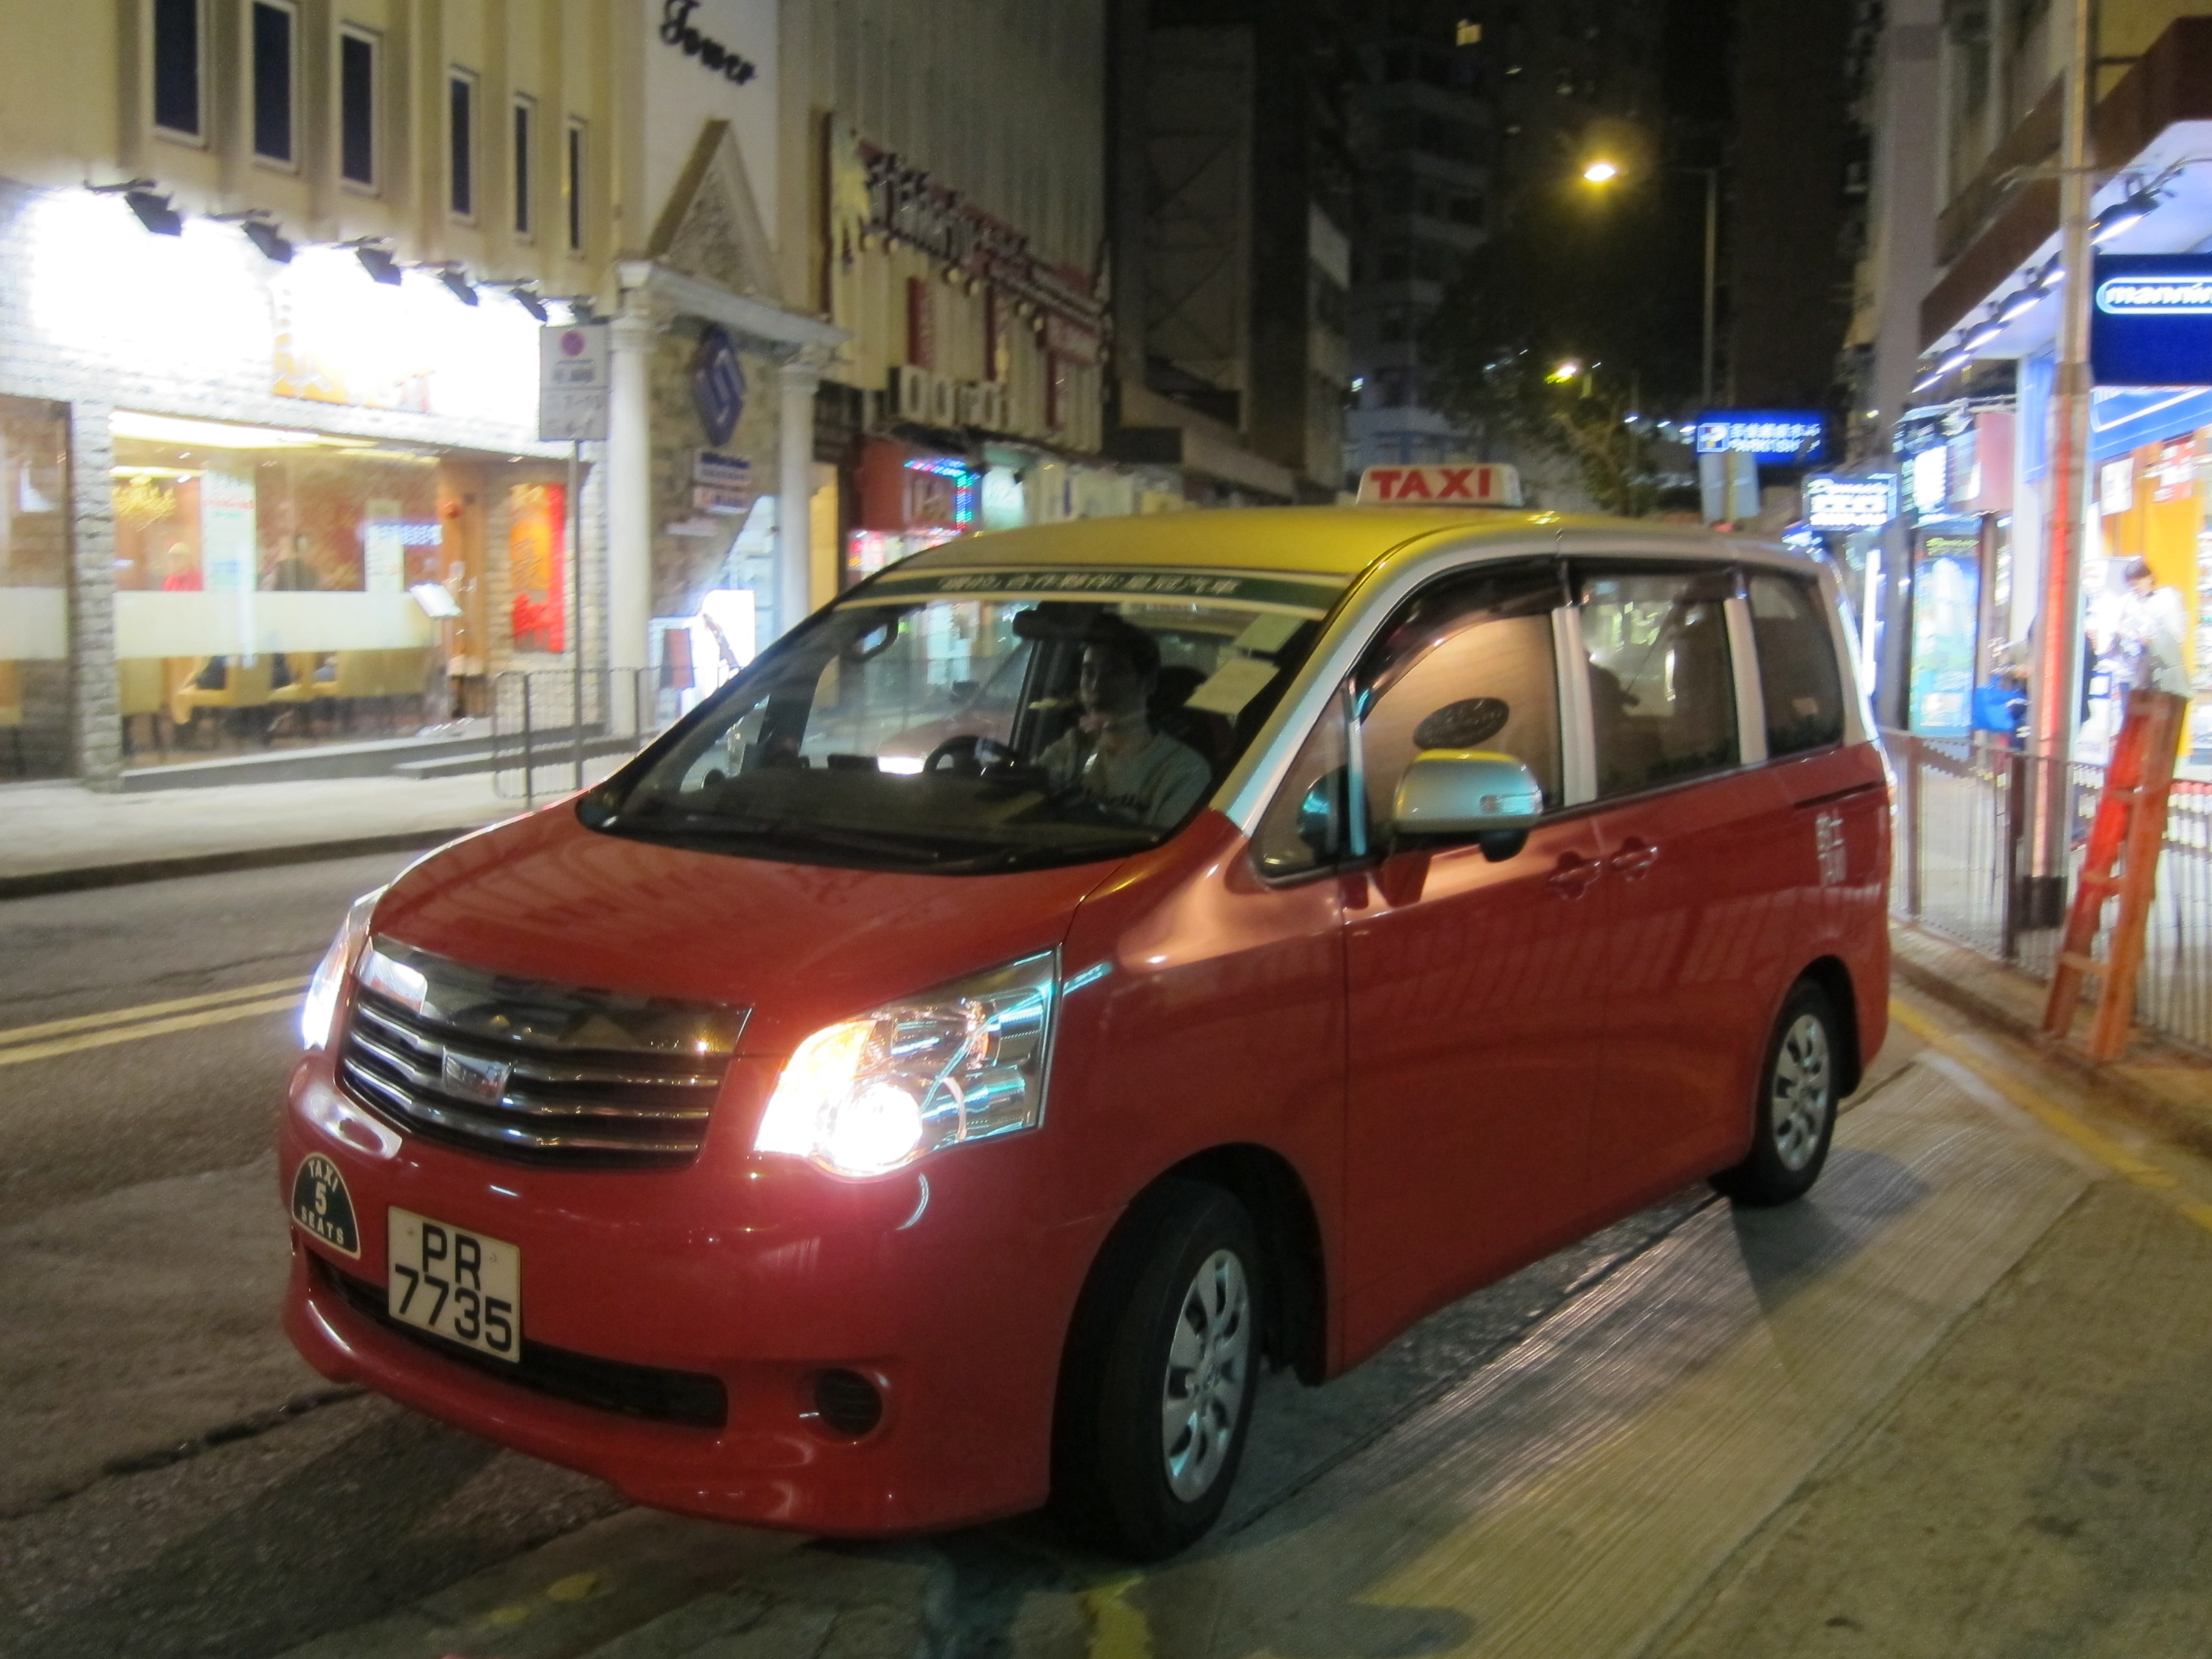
[(209, 864), (2151, 1109)]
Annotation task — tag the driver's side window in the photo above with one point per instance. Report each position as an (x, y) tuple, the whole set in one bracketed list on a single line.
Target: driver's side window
[(1467, 664)]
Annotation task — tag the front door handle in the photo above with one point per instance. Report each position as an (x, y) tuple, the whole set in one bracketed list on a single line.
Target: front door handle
[(1635, 858), (1574, 874)]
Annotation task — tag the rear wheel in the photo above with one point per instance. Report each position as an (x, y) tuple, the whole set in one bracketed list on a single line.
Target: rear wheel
[(1161, 1373), (1796, 1117)]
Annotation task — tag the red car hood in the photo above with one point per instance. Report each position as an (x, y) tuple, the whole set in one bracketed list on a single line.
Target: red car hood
[(544, 897)]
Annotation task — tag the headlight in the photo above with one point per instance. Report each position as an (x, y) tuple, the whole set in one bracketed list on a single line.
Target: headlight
[(965, 1062), (320, 1007)]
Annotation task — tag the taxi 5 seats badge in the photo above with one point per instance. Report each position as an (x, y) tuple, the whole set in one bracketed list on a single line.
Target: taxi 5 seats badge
[(321, 1203)]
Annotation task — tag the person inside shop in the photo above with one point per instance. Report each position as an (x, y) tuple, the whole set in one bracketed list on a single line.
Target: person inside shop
[(1113, 757), (2148, 631)]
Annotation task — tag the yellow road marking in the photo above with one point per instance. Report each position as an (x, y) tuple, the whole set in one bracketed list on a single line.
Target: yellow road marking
[(2056, 1118), (145, 1011), (1118, 1631), (70, 1045)]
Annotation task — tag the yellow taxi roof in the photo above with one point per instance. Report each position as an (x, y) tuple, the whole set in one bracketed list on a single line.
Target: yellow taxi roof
[(1320, 540)]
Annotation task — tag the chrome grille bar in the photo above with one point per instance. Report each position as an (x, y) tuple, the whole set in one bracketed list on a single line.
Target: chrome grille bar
[(520, 1068)]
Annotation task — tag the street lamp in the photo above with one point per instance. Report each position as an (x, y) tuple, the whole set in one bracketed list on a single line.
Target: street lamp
[(1602, 170)]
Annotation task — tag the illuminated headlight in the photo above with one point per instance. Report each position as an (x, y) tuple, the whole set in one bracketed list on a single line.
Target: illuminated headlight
[(320, 1007), (965, 1062)]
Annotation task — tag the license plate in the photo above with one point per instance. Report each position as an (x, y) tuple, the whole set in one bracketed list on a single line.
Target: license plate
[(464, 1287)]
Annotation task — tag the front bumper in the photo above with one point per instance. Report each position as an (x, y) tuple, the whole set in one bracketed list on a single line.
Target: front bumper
[(645, 1292)]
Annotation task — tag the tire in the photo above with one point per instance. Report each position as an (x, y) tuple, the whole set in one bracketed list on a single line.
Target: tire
[(1796, 1111), (1161, 1372)]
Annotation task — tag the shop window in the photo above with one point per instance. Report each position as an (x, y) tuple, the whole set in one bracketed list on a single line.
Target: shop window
[(357, 79), (526, 133), (266, 585), (537, 566), (34, 667), (274, 75), (1798, 679), (461, 143), (177, 66), (1663, 692), (571, 187)]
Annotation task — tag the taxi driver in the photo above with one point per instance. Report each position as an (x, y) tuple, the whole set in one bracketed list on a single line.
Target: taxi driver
[(1112, 754)]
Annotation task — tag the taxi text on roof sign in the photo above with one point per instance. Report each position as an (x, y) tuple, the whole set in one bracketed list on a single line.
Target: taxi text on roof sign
[(1475, 484)]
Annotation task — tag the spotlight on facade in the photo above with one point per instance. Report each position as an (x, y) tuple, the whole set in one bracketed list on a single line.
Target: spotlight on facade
[(154, 212), (580, 309), (1601, 172), (2123, 216), (260, 227), (1567, 371), (456, 280), (1957, 360), (2017, 304), (526, 295), (377, 260), (150, 205), (1982, 333), (1926, 381)]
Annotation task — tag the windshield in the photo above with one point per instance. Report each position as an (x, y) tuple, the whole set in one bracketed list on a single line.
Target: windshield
[(961, 723)]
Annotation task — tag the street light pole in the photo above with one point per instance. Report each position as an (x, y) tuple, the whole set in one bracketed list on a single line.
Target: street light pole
[(1713, 261), (1602, 172), (2056, 696)]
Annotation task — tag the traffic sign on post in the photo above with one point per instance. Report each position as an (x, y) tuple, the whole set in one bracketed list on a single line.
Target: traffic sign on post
[(574, 380)]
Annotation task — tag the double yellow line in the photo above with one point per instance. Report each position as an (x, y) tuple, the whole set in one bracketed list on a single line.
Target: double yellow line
[(69, 1037)]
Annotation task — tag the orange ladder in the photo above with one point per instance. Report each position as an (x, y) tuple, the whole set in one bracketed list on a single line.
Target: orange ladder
[(2121, 861)]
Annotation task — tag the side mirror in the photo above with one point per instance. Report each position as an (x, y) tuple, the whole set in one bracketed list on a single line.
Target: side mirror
[(1465, 793)]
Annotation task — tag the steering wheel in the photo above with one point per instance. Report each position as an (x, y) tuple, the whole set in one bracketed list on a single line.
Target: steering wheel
[(967, 755)]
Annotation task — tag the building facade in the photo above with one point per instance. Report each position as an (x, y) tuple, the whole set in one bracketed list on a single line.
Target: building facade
[(1958, 318), (261, 368), (276, 276)]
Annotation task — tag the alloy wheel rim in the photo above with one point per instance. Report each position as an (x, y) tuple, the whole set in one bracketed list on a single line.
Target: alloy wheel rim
[(1801, 1094), (1208, 1376)]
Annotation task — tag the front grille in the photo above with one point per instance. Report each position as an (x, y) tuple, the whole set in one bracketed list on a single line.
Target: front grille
[(692, 1398), (542, 1073)]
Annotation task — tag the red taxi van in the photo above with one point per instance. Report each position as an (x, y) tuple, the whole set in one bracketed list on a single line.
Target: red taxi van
[(1286, 921)]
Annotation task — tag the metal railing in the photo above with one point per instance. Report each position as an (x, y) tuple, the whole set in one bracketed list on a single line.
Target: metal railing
[(549, 733), (1963, 863)]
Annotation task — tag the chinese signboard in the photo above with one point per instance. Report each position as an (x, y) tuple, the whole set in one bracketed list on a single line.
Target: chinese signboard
[(1766, 434)]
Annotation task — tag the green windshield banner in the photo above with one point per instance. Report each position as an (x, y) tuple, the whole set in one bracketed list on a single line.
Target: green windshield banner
[(1308, 596)]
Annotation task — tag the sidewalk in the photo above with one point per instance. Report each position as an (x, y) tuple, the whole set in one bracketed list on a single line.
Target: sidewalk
[(55, 838), (2163, 1086)]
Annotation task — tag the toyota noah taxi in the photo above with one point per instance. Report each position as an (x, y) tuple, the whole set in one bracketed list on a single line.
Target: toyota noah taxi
[(1082, 969)]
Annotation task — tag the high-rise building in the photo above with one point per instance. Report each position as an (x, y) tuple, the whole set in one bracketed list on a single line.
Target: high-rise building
[(1231, 186)]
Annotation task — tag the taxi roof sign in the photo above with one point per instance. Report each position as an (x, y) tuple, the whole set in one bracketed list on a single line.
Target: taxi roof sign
[(1477, 483)]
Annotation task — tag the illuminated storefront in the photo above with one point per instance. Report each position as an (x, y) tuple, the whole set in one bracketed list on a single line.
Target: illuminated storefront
[(304, 467)]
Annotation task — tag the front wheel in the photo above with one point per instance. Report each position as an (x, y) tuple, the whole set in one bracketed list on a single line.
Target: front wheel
[(1161, 1373), (1797, 1115)]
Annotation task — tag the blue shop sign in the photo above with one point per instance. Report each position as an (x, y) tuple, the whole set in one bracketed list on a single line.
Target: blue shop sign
[(1789, 435), (718, 387), (2150, 320)]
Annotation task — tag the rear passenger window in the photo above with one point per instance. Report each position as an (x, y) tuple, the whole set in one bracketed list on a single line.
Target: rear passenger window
[(1798, 677), (1467, 665), (1662, 693)]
